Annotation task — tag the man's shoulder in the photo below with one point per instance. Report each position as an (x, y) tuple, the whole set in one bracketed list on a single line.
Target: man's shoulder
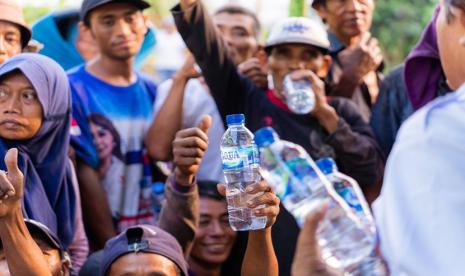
[(76, 71), (146, 80)]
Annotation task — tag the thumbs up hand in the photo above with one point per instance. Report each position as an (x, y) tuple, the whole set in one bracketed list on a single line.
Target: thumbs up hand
[(189, 146), (11, 185)]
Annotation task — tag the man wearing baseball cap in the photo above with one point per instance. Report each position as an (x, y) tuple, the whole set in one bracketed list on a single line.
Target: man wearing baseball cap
[(56, 258), (296, 46), (356, 70), (14, 32), (143, 250), (112, 108)]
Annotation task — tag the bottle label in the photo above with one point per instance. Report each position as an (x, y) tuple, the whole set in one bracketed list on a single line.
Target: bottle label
[(235, 158), (349, 195)]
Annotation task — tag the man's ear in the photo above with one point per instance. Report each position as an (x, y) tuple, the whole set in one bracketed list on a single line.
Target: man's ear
[(325, 66), (66, 265), (83, 28), (147, 22)]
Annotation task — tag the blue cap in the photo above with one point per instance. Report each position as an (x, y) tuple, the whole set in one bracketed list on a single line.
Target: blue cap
[(327, 165), (235, 119), (88, 5), (265, 137)]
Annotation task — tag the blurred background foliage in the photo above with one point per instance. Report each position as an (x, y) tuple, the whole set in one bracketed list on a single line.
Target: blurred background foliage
[(396, 23)]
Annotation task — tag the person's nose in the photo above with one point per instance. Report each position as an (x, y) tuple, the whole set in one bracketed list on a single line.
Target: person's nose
[(296, 64), (353, 5), (13, 105), (216, 229), (122, 28), (2, 45)]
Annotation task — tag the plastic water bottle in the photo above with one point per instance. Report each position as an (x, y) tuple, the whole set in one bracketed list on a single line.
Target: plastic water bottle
[(300, 97), (240, 166), (302, 186), (349, 190)]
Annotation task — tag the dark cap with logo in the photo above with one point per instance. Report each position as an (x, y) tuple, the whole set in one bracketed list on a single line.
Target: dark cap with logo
[(143, 238), (89, 5)]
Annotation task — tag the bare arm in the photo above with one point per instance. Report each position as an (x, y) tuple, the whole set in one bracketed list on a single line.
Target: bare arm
[(95, 208), (23, 255), (260, 258), (169, 118)]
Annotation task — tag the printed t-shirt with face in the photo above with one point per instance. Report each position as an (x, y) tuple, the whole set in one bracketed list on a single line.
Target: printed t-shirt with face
[(107, 132)]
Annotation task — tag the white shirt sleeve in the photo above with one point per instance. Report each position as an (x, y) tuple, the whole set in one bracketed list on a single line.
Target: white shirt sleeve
[(421, 211)]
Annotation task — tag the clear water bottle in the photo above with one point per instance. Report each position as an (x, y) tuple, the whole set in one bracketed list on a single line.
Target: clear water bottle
[(240, 166), (300, 97), (302, 186), (349, 190)]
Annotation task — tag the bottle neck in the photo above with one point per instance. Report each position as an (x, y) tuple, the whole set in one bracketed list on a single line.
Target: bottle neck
[(235, 125)]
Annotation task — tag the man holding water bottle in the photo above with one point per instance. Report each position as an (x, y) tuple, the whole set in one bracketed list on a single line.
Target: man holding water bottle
[(334, 127)]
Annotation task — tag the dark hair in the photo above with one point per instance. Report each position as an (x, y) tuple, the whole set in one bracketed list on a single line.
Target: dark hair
[(236, 9), (460, 4), (317, 3), (207, 188), (105, 123)]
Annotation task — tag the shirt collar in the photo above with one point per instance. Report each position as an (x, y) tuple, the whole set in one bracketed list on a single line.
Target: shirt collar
[(335, 45)]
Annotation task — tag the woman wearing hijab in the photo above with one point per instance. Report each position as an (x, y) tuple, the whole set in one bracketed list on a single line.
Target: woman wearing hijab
[(35, 115)]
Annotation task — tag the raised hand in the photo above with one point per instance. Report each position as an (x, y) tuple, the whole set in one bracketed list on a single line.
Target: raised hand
[(362, 59), (189, 146), (255, 71), (11, 185)]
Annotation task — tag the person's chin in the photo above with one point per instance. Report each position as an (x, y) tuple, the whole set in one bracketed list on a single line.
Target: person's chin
[(13, 135)]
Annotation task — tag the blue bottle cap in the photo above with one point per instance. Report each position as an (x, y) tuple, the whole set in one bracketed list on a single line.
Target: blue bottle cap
[(235, 119), (327, 165), (158, 188), (265, 137)]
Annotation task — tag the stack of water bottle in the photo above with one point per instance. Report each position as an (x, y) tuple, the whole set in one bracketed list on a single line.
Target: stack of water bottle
[(347, 235)]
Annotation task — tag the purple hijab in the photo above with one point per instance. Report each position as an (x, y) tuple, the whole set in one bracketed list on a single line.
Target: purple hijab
[(423, 67), (48, 189)]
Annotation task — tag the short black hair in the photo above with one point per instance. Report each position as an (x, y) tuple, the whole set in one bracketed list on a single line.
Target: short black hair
[(317, 3), (236, 9), (207, 188)]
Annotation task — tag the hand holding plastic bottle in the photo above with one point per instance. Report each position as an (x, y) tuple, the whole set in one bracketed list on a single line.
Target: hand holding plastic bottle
[(268, 199), (307, 259), (322, 111)]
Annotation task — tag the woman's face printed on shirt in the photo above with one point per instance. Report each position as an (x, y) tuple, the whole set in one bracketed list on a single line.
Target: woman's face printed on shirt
[(286, 58), (20, 110), (103, 140)]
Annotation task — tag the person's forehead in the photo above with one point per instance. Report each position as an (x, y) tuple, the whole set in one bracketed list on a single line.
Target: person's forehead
[(212, 207), (6, 26), (149, 263), (114, 9), (226, 19), (17, 77), (297, 47)]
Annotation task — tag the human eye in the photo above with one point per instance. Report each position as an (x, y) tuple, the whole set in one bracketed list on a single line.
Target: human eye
[(29, 95)]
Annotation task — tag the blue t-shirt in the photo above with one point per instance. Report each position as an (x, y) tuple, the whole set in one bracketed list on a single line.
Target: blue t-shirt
[(107, 132)]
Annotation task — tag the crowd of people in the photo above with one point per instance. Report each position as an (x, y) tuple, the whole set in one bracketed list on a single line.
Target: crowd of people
[(110, 171)]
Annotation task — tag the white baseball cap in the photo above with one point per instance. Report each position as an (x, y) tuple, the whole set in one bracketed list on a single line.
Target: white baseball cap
[(300, 30)]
